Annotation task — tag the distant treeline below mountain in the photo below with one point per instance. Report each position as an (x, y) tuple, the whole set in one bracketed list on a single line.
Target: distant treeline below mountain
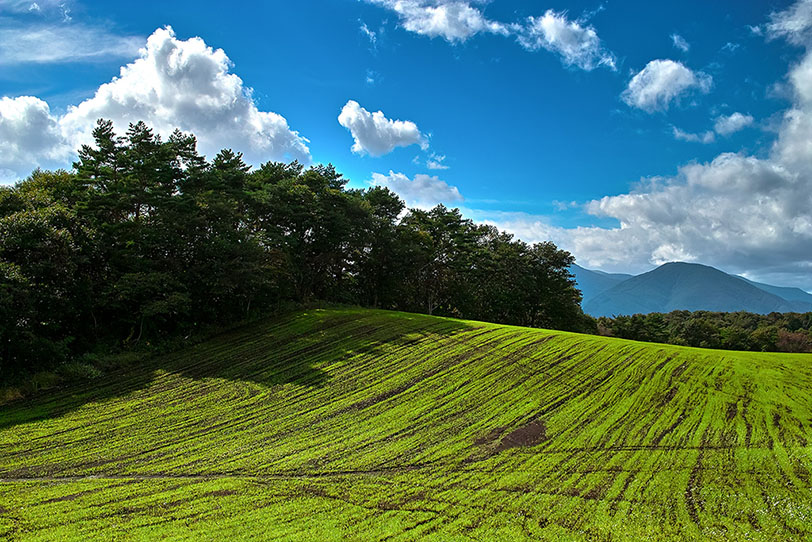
[(775, 332), (697, 305)]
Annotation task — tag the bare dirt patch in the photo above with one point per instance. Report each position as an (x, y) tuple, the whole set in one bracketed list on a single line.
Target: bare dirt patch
[(530, 434), (489, 437)]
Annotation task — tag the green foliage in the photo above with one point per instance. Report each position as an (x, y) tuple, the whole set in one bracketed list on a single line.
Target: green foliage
[(775, 332), (148, 241), (357, 424), (79, 370)]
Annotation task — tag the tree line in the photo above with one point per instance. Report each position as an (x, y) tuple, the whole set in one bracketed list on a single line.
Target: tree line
[(774, 332), (145, 240)]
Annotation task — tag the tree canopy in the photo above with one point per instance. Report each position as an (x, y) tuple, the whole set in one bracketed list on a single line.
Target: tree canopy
[(774, 332), (145, 239)]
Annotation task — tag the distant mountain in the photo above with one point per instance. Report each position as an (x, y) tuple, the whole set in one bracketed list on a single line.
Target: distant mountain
[(799, 298), (592, 283), (687, 286)]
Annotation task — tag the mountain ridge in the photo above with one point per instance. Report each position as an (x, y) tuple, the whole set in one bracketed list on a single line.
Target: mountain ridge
[(684, 286)]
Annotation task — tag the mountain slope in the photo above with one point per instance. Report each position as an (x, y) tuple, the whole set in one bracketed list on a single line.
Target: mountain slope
[(685, 286), (371, 425), (592, 283), (800, 300)]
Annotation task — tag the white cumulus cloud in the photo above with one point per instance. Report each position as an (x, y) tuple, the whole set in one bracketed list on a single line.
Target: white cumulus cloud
[(172, 84), (423, 191), (726, 125), (30, 137), (661, 82), (376, 135), (577, 45), (576, 42), (735, 211), (452, 20)]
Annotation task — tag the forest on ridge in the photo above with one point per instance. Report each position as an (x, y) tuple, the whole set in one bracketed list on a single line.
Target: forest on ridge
[(147, 240)]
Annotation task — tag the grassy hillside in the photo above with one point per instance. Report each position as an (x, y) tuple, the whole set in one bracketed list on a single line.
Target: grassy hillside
[(372, 425)]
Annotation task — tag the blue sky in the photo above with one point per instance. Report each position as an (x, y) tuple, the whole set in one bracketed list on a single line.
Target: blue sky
[(630, 133)]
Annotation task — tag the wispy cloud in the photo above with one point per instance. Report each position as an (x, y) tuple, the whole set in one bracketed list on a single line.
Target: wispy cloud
[(63, 43), (436, 161), (794, 24), (705, 137), (680, 43), (723, 125), (46, 9), (371, 35)]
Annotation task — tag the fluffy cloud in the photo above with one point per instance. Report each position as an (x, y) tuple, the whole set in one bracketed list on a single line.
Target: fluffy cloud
[(173, 84), (187, 85), (662, 82), (458, 20), (59, 43), (376, 135), (736, 211), (680, 43), (423, 191), (576, 44), (452, 20), (30, 137), (726, 125), (794, 144)]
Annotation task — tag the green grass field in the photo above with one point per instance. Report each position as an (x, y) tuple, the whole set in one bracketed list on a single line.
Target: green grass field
[(370, 425)]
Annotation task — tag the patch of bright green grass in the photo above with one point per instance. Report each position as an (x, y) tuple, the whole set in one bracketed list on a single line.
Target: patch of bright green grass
[(354, 424)]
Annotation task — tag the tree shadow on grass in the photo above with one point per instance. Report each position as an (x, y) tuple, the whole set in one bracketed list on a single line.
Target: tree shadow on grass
[(280, 351)]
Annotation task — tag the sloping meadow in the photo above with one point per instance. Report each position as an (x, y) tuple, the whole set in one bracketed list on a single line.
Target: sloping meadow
[(353, 424)]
